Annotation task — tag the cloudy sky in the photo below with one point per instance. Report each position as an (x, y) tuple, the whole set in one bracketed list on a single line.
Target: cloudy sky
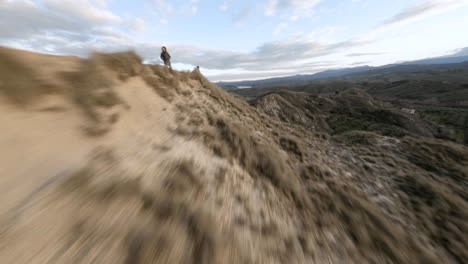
[(242, 39)]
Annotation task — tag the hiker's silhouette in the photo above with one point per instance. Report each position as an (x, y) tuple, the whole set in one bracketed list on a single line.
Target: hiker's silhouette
[(166, 57)]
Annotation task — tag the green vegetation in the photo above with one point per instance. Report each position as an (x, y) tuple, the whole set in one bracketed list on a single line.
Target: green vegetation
[(340, 124), (438, 93), (455, 120)]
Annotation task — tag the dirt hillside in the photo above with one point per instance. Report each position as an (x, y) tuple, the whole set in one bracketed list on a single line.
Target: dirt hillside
[(108, 160)]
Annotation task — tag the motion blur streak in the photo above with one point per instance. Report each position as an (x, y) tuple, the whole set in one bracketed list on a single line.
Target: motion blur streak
[(107, 160)]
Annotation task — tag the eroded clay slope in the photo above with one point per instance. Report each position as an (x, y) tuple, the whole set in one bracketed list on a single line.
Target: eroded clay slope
[(107, 160)]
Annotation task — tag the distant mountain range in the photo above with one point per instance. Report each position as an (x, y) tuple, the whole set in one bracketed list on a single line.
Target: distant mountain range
[(406, 66)]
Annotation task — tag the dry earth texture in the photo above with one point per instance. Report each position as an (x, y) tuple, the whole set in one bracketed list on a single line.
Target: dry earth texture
[(107, 160)]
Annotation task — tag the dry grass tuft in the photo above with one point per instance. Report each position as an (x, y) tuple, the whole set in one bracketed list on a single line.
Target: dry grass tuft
[(232, 141), (19, 82), (124, 64)]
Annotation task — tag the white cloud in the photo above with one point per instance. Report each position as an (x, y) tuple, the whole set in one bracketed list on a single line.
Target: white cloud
[(56, 28), (303, 6), (421, 10), (83, 10), (47, 30), (137, 24), (287, 55), (280, 27), (163, 10), (267, 57), (242, 15), (77, 27), (24, 19), (362, 54), (225, 5), (289, 10), (162, 7)]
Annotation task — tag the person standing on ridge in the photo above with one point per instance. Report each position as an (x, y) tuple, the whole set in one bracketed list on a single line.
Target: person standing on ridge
[(166, 57)]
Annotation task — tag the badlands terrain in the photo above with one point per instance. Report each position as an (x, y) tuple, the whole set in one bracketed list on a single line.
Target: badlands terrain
[(108, 160)]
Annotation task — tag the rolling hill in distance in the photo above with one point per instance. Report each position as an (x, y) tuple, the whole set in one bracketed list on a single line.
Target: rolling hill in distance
[(436, 88), (437, 63)]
